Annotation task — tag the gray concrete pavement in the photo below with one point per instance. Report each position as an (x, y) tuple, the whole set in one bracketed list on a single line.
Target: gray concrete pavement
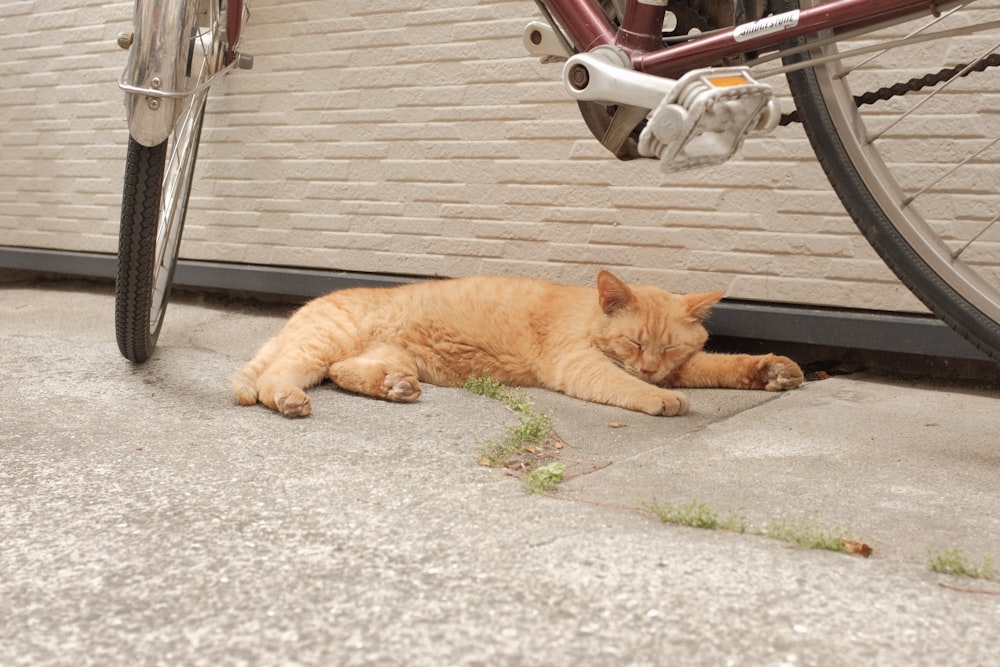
[(145, 519)]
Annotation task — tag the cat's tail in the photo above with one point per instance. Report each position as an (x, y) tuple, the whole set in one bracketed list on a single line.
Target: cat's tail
[(244, 385)]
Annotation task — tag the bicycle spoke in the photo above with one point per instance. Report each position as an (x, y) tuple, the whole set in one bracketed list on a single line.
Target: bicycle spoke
[(909, 200), (958, 253), (181, 157), (878, 49), (933, 22), (937, 91)]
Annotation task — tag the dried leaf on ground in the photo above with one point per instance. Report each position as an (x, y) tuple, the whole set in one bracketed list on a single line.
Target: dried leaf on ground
[(856, 548)]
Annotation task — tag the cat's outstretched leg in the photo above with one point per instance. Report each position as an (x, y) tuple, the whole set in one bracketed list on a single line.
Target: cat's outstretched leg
[(738, 371), (590, 376), (382, 371), (632, 393)]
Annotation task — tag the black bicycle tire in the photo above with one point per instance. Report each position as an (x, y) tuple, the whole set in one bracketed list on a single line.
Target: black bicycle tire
[(908, 265), (137, 250), (136, 329)]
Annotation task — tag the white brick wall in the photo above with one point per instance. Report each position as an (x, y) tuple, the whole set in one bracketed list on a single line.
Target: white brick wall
[(411, 138), (61, 143)]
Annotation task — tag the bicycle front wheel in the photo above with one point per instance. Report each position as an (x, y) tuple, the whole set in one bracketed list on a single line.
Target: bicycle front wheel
[(158, 178), (154, 204), (906, 123)]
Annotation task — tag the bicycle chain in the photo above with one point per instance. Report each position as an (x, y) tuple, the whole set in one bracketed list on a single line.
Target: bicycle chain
[(917, 83)]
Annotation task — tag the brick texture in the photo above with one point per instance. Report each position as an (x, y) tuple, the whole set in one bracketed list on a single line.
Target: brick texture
[(411, 138)]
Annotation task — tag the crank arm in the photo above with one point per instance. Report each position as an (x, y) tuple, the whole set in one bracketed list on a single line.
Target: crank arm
[(605, 75)]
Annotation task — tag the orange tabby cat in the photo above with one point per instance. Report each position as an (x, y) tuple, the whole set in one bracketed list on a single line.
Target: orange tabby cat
[(619, 344)]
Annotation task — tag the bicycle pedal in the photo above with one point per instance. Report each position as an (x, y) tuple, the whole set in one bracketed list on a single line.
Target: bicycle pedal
[(706, 116)]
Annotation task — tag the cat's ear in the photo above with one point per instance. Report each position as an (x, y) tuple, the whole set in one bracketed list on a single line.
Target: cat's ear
[(614, 294), (699, 305)]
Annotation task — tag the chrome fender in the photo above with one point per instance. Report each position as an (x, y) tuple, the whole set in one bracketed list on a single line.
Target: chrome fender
[(155, 77)]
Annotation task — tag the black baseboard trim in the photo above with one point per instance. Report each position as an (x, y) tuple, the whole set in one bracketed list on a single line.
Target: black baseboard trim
[(853, 329)]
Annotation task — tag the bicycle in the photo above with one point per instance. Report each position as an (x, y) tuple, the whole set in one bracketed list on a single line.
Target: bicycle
[(674, 80), (679, 81), (176, 50)]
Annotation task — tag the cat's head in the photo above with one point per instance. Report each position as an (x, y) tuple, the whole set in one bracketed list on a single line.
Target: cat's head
[(648, 331)]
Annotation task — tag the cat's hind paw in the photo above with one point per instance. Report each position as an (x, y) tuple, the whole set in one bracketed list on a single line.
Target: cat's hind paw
[(244, 394), (781, 374), (295, 403), (401, 388), (244, 388)]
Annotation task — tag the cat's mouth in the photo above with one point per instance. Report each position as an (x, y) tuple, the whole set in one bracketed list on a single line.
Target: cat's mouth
[(656, 377)]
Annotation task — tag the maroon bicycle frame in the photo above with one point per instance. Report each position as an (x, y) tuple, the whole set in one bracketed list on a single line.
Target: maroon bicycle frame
[(234, 26), (640, 32)]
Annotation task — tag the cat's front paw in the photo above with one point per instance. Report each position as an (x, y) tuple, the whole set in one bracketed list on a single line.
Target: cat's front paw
[(401, 387), (666, 404), (781, 374)]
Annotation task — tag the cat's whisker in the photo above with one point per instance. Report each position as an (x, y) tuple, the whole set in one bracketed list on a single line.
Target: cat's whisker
[(617, 361)]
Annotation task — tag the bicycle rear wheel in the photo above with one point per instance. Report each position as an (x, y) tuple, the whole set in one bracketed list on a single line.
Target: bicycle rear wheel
[(918, 172)]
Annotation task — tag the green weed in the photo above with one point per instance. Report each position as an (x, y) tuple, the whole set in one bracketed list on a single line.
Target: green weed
[(697, 515), (800, 532), (544, 479), (515, 399), (955, 561), (527, 442), (805, 533), (531, 430), (523, 438)]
